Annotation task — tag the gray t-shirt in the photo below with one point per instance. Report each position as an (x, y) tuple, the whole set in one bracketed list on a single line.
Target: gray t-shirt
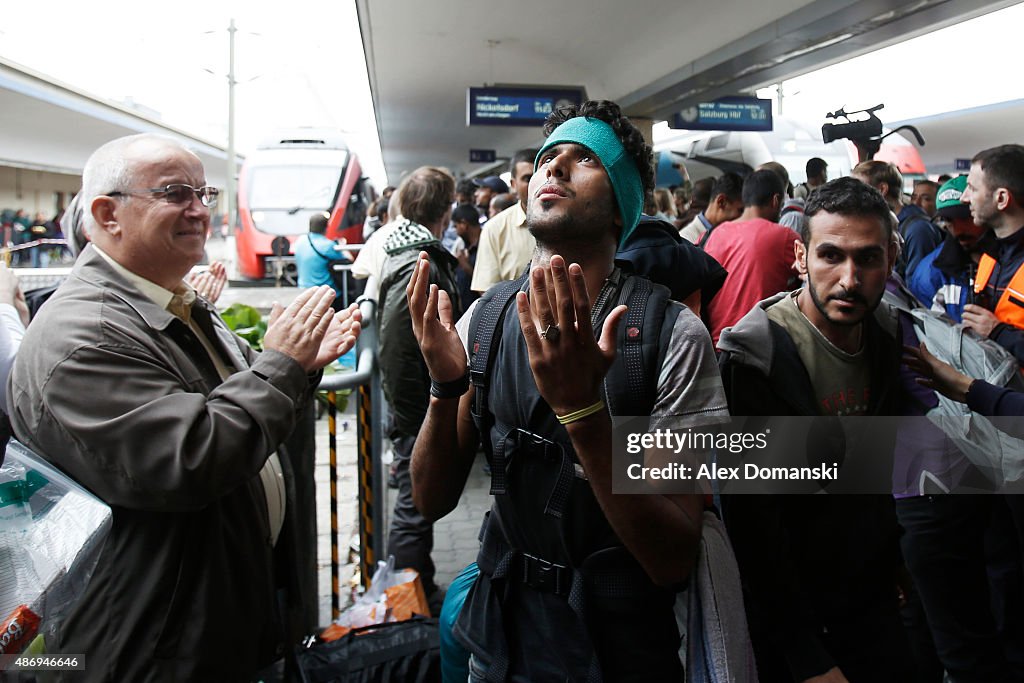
[(841, 380)]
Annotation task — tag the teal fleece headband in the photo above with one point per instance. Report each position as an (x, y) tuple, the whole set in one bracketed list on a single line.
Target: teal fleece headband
[(599, 138)]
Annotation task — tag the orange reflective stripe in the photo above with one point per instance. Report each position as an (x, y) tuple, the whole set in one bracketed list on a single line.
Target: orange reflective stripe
[(985, 268), (1010, 308)]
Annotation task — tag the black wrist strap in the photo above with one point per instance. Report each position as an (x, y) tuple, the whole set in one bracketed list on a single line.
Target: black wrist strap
[(453, 389)]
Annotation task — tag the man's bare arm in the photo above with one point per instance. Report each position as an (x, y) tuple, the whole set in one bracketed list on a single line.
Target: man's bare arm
[(443, 452), (443, 456)]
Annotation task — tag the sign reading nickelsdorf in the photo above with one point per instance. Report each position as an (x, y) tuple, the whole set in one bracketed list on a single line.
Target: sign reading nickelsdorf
[(516, 106)]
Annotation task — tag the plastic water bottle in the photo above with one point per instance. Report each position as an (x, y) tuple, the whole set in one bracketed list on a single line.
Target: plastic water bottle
[(15, 514)]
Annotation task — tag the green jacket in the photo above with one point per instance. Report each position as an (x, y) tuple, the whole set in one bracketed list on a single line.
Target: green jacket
[(403, 370)]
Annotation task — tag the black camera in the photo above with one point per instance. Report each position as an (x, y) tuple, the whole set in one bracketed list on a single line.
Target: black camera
[(862, 128), (859, 128)]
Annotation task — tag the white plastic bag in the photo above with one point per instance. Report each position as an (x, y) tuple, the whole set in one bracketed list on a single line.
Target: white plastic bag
[(393, 595), (51, 534)]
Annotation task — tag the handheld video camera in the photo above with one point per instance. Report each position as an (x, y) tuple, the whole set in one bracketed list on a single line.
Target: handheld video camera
[(862, 128)]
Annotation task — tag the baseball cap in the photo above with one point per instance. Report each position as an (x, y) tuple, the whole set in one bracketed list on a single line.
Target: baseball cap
[(947, 200), (493, 182)]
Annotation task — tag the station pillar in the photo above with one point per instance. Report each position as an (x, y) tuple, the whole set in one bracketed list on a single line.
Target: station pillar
[(645, 126)]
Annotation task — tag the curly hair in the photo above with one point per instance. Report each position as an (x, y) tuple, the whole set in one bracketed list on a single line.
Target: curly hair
[(630, 137)]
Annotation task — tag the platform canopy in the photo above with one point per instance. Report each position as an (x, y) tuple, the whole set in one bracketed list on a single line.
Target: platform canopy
[(654, 57)]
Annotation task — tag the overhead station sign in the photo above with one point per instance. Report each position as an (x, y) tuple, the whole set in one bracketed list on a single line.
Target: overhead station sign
[(516, 106), (727, 113), (482, 156)]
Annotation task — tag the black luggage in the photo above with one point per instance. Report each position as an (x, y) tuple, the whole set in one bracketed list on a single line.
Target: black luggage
[(397, 652)]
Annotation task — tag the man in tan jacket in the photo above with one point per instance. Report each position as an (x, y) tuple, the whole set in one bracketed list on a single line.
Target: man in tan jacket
[(137, 390)]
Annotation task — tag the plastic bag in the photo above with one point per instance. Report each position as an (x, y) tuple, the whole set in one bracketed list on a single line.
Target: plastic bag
[(393, 595), (51, 534)]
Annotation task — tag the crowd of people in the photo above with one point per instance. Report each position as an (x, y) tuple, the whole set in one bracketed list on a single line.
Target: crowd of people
[(518, 320), (24, 235), (860, 588)]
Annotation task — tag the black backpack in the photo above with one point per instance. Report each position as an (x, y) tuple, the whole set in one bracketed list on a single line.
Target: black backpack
[(630, 385), (656, 251), (630, 388)]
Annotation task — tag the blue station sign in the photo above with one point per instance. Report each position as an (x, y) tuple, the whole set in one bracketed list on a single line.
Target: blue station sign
[(727, 113), (515, 106)]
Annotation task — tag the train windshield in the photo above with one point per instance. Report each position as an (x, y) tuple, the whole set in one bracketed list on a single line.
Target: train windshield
[(293, 187), (282, 198)]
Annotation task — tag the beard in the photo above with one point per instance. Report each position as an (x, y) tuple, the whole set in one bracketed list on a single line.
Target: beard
[(560, 228), (581, 227), (982, 214), (853, 297)]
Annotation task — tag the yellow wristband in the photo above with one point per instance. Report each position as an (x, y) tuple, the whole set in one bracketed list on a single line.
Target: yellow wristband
[(581, 413)]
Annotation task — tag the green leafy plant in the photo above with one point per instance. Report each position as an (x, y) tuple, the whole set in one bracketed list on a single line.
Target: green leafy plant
[(341, 396), (247, 323)]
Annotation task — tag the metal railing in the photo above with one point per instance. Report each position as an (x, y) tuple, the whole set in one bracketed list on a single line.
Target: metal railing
[(282, 270), (52, 242), (366, 381)]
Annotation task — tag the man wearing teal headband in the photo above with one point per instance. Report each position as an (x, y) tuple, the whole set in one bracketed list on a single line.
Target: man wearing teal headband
[(598, 137), (546, 378)]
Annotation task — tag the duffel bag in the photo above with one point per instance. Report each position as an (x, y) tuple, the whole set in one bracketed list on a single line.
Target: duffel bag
[(396, 652)]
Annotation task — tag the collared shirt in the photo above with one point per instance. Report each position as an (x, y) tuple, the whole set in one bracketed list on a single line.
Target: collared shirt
[(696, 228), (369, 263), (506, 246), (179, 303)]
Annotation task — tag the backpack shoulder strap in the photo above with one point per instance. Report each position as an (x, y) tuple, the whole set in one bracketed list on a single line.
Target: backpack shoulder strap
[(315, 250), (309, 238), (487, 320), (631, 385), (704, 238)]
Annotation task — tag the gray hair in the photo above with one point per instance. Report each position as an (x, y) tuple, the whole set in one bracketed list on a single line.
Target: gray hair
[(108, 169)]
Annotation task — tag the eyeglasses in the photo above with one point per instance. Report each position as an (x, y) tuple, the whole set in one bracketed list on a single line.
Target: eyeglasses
[(177, 193)]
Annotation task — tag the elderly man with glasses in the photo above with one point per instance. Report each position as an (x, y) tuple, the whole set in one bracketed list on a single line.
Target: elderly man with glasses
[(134, 387)]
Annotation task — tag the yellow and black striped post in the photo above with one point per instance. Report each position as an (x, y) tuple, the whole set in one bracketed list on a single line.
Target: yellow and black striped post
[(332, 444), (367, 529)]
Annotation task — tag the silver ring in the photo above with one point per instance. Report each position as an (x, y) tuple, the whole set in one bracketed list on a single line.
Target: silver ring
[(551, 333)]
